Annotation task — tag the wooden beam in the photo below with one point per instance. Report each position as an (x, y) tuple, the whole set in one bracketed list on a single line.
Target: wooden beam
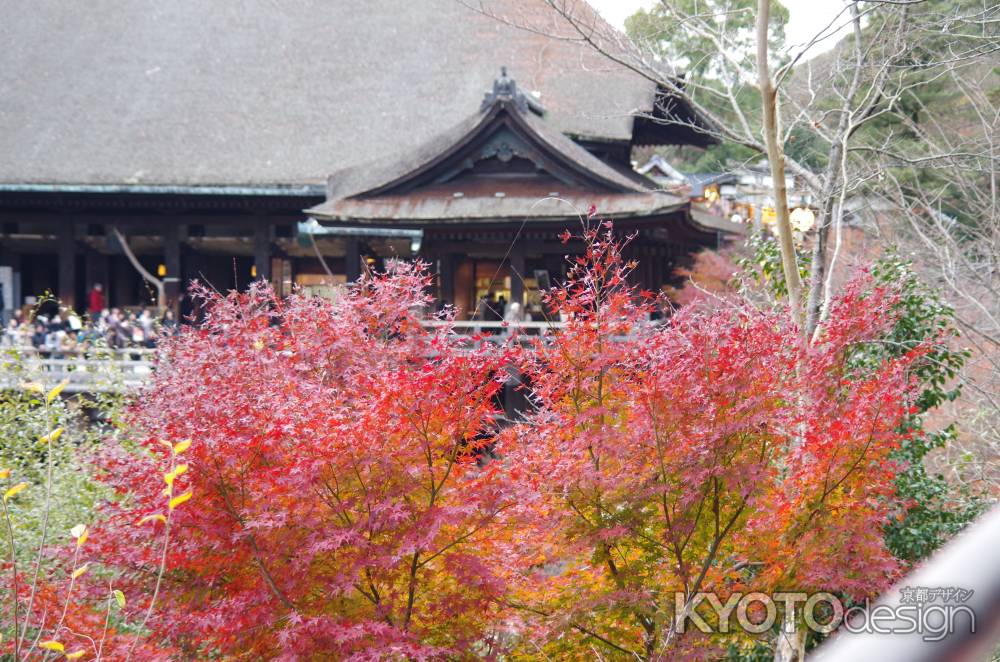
[(517, 274), (67, 263), (352, 259), (262, 248)]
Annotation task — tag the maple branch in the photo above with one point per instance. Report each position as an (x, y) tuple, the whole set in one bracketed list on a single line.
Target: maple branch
[(223, 491), (579, 628)]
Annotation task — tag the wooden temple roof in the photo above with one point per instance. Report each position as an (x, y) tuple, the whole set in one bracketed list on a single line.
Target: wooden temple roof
[(503, 162)]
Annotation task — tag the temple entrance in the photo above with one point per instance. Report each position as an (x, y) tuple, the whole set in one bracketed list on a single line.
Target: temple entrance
[(482, 289)]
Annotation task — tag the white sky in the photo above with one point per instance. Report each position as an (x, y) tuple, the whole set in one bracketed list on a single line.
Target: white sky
[(805, 18)]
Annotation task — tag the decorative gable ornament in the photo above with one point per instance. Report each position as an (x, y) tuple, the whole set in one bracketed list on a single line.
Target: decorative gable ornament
[(505, 89)]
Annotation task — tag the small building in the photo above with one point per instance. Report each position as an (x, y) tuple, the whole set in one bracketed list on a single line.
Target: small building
[(742, 194)]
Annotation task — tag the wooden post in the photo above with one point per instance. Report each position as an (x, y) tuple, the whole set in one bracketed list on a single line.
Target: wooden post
[(67, 263), (173, 280), (517, 275), (446, 277), (96, 269), (352, 259), (262, 249)]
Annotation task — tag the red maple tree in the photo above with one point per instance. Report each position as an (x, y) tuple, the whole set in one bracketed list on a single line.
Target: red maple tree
[(309, 479), (342, 499), (714, 453)]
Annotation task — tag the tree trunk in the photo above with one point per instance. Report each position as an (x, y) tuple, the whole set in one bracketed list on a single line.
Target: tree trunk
[(790, 647), (818, 266), (776, 158)]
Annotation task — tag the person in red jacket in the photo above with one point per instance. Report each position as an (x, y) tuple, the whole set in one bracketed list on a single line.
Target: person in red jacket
[(96, 301)]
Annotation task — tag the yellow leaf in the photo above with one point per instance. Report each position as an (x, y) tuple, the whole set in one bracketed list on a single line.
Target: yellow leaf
[(80, 532), (169, 477), (52, 436), (4, 474), (75, 655), (52, 646), (178, 500), (119, 598), (32, 387), (14, 490), (149, 518), (182, 446), (79, 571), (54, 393)]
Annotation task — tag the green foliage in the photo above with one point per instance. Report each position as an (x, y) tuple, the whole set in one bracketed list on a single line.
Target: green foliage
[(690, 45), (806, 146), (24, 419), (717, 158), (762, 267), (678, 43), (938, 509)]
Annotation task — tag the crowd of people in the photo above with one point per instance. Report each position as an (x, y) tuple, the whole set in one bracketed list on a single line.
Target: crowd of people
[(55, 330)]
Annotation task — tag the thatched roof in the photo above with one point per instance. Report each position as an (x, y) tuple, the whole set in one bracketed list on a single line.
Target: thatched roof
[(257, 92)]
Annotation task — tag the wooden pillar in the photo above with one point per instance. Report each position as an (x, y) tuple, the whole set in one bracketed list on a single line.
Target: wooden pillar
[(515, 394), (658, 263), (67, 263), (174, 279), (554, 265), (11, 291), (446, 279), (262, 249), (517, 275), (352, 259), (95, 267)]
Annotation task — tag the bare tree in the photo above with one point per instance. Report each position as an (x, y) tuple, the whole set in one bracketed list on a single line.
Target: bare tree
[(939, 199), (863, 83)]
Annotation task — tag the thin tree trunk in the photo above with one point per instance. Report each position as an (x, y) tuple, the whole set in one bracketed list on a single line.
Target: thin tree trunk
[(818, 265), (776, 158), (161, 299), (790, 647)]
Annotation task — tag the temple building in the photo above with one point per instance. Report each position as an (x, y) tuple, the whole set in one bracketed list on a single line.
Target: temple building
[(298, 142), (487, 201)]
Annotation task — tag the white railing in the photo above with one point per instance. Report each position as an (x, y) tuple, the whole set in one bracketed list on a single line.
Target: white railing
[(122, 370), (101, 370)]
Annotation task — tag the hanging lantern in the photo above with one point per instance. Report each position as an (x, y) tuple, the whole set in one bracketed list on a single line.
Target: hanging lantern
[(802, 219)]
